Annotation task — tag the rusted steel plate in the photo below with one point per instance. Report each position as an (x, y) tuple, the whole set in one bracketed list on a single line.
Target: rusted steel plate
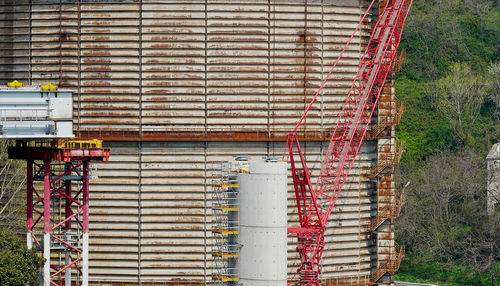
[(244, 67), (152, 200), (180, 72)]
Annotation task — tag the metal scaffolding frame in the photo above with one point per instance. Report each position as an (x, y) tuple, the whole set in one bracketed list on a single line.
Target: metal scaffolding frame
[(48, 227), (225, 208)]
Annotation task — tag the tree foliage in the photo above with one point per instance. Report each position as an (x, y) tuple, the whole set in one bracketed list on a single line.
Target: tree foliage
[(441, 32), (18, 265), (460, 96), (446, 220), (494, 96), (451, 85), (423, 129), (12, 195)]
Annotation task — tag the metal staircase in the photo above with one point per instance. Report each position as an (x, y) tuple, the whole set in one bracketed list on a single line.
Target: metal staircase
[(387, 160), (391, 264), (392, 120), (391, 211)]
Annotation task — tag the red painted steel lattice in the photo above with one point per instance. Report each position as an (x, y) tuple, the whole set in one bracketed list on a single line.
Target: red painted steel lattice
[(64, 232), (316, 204)]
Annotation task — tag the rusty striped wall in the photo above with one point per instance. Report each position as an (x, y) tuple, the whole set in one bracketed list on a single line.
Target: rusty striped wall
[(163, 70), (174, 86), (150, 211)]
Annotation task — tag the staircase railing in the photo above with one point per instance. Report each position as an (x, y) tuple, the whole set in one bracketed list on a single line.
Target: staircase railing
[(387, 160), (391, 120), (391, 264)]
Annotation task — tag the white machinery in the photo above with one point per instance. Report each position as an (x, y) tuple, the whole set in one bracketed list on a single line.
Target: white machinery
[(35, 113)]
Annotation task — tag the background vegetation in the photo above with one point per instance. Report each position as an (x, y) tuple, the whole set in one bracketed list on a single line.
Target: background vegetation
[(450, 82), (12, 191), (18, 265)]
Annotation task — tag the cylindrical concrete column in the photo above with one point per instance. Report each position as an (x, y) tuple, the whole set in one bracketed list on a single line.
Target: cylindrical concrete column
[(263, 224)]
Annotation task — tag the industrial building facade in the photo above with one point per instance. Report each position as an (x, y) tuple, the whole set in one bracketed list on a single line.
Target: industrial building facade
[(175, 87)]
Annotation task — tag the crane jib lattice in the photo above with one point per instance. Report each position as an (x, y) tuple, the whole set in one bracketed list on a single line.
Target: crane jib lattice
[(315, 204)]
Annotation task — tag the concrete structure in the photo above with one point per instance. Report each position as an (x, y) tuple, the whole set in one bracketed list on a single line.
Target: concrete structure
[(262, 199), (173, 88), (493, 184)]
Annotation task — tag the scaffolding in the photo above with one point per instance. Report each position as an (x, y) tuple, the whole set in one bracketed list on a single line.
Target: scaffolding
[(57, 208), (225, 208)]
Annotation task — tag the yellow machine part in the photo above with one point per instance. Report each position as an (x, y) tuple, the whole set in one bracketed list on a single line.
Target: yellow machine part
[(15, 84), (78, 144), (225, 278), (48, 86)]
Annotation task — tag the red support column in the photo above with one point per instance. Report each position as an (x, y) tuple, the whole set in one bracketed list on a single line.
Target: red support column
[(67, 226), (85, 222), (29, 203), (85, 191), (46, 222), (67, 186), (46, 196), (60, 235)]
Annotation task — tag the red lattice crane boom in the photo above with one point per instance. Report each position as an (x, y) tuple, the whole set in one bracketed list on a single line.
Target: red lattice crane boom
[(316, 204)]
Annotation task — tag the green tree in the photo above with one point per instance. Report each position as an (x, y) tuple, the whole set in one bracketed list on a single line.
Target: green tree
[(494, 96), (423, 128), (439, 33), (12, 191), (18, 265), (460, 96), (451, 85), (445, 225)]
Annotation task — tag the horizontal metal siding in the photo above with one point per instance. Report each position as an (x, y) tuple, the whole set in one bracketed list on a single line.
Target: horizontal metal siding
[(14, 42), (173, 208), (193, 68), (184, 70), (114, 216), (151, 217)]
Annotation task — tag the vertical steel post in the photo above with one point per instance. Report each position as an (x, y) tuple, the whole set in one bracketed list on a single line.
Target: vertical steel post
[(59, 230), (85, 221), (46, 222), (67, 226), (29, 203)]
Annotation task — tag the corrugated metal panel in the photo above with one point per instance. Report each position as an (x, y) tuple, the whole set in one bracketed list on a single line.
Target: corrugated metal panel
[(14, 41), (114, 216), (168, 71), (194, 70), (151, 215), (173, 208)]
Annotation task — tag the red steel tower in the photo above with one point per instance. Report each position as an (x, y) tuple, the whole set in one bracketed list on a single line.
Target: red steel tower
[(57, 191)]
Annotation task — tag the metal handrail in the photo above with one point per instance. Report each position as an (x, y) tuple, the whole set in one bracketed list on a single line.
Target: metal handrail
[(32, 114)]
